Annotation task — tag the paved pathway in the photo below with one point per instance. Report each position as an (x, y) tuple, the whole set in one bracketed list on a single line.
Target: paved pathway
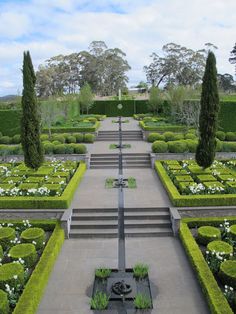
[(174, 287)]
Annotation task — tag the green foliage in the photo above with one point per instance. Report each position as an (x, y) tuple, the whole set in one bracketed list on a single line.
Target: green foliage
[(169, 136), (140, 270), (152, 137), (7, 234), (80, 149), (36, 235), (5, 140), (30, 123), (142, 302), (224, 248), (155, 100), (85, 98), (232, 232), (228, 273), (177, 146), (27, 252), (215, 298), (70, 139), (16, 139), (99, 301), (159, 147), (229, 147), (220, 135), (4, 303), (230, 136), (162, 128), (207, 234), (59, 149), (11, 274), (39, 278), (10, 122), (79, 137), (48, 148), (103, 273), (89, 138), (208, 119), (192, 145)]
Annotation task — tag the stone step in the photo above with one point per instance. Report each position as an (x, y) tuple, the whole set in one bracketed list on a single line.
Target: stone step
[(116, 166), (132, 210), (116, 158), (153, 232), (116, 154), (128, 216), (117, 132)]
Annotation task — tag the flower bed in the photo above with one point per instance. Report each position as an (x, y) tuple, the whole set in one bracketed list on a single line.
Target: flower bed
[(25, 267), (189, 185), (214, 263), (51, 186)]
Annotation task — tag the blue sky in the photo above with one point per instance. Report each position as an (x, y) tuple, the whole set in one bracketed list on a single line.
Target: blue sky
[(51, 27)]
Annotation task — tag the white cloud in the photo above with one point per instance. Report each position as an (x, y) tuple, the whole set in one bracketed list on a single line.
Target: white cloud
[(63, 26)]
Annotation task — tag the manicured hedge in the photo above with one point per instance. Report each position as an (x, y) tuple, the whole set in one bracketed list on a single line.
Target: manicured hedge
[(227, 116), (34, 289), (73, 129), (10, 122), (162, 128), (191, 200), (109, 107), (62, 201), (215, 298)]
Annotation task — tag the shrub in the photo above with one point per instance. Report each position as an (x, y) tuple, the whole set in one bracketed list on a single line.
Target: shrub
[(177, 146), (192, 145), (5, 140), (56, 142), (190, 136), (7, 234), (89, 138), (70, 139), (99, 301), (229, 147), (142, 301), (224, 248), (4, 303), (80, 149), (140, 271), (34, 234), (59, 149), (27, 252), (219, 145), (11, 274), (92, 119), (220, 135), (228, 273), (233, 232), (179, 137), (230, 136), (48, 148), (159, 147), (169, 136), (152, 137), (44, 137), (103, 273), (69, 148), (16, 139), (79, 137), (207, 234), (58, 137)]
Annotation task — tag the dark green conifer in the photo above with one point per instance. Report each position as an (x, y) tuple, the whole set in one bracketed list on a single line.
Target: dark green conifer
[(30, 122), (208, 118)]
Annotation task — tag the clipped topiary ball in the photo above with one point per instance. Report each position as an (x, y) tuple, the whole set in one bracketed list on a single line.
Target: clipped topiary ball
[(11, 274), (224, 248), (34, 235), (27, 252), (177, 146), (159, 147), (80, 149), (89, 138), (227, 273), (79, 137), (4, 303), (152, 137), (232, 232), (7, 234), (59, 149), (70, 139), (220, 135), (169, 136), (207, 234)]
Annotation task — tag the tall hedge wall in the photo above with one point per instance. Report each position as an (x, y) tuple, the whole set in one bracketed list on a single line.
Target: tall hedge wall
[(109, 107), (10, 122), (227, 116)]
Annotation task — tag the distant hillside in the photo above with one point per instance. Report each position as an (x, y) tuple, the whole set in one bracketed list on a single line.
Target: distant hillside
[(8, 97)]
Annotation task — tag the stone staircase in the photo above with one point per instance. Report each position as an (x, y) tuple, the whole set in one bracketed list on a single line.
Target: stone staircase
[(130, 160), (114, 136), (103, 222)]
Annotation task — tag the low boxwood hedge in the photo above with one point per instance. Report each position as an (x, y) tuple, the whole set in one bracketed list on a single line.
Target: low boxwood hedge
[(222, 247), (215, 298), (62, 201), (207, 234), (163, 128), (73, 129), (11, 274), (7, 234), (159, 147), (4, 303), (227, 273)]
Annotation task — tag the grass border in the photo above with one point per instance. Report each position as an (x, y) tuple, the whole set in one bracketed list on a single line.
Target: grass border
[(34, 289), (191, 200), (46, 202), (215, 298)]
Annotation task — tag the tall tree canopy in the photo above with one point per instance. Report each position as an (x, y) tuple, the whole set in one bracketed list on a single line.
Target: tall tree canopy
[(208, 119), (30, 123), (178, 65), (104, 69), (232, 58)]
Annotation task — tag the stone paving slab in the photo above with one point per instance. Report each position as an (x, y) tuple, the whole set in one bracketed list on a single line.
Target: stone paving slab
[(174, 287), (107, 125)]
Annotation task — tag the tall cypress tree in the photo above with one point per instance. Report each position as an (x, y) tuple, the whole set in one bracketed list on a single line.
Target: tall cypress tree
[(30, 122), (208, 118)]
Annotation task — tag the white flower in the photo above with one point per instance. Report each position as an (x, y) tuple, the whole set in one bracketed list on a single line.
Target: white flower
[(15, 277)]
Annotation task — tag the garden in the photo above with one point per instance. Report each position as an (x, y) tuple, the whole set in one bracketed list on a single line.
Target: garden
[(50, 186), (210, 244), (187, 184), (28, 250)]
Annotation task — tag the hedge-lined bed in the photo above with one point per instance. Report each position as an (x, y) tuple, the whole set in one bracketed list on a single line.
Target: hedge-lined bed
[(161, 127), (28, 252), (215, 269), (187, 184), (51, 186), (84, 127)]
